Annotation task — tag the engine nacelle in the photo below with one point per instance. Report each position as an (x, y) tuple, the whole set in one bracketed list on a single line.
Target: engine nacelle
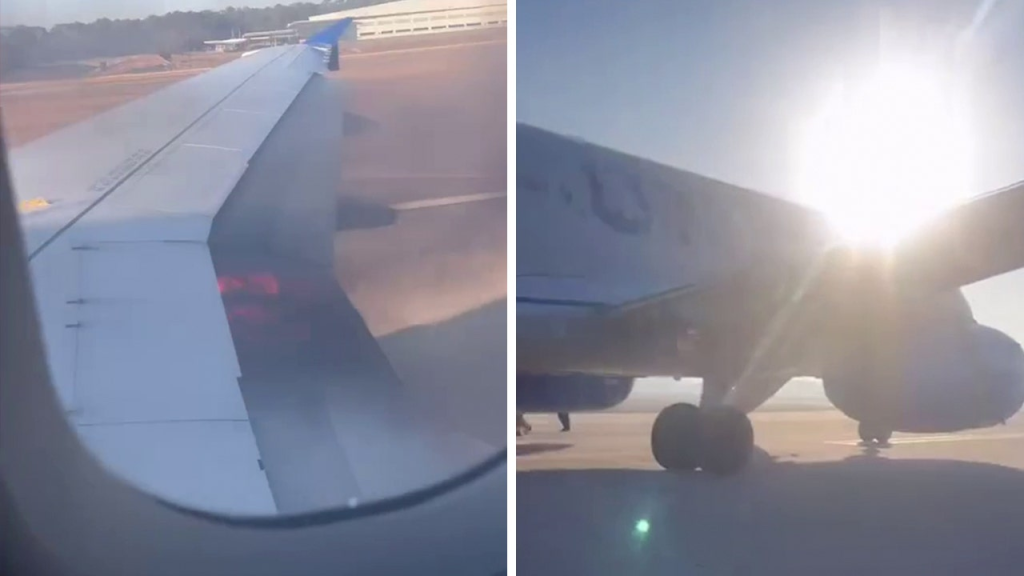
[(570, 392), (948, 377)]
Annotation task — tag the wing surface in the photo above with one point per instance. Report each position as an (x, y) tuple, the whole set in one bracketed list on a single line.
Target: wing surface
[(116, 214), (979, 239)]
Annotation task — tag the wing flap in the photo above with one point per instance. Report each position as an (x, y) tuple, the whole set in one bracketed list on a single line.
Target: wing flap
[(153, 344), (223, 475), (147, 369), (55, 282)]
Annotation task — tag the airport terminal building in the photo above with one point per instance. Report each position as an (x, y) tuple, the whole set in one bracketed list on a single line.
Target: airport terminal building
[(387, 20)]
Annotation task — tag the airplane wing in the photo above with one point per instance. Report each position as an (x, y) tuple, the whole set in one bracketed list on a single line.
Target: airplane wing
[(974, 241), (611, 233), (979, 239), (116, 213)]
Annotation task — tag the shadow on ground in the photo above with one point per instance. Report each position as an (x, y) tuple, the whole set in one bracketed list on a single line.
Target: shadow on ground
[(357, 124), (540, 447), (863, 515), (358, 214), (456, 370)]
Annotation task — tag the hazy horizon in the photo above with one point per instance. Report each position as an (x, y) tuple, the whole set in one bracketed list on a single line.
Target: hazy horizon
[(47, 13)]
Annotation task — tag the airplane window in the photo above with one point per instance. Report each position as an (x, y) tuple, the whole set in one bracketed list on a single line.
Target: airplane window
[(833, 365), (267, 249)]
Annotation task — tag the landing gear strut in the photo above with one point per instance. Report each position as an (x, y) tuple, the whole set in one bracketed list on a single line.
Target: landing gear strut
[(716, 439), (872, 433)]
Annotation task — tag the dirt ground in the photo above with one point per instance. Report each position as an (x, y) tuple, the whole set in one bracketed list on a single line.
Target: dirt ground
[(33, 109), (30, 110)]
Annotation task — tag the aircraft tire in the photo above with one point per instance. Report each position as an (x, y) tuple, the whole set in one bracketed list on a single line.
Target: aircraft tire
[(676, 437), (727, 440), (870, 433)]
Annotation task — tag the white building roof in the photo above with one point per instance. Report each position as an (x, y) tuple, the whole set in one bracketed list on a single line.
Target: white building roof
[(227, 42), (405, 6)]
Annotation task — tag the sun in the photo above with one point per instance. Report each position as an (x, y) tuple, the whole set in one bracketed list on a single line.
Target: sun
[(883, 155)]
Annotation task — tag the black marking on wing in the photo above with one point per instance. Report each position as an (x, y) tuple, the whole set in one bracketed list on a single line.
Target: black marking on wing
[(618, 220)]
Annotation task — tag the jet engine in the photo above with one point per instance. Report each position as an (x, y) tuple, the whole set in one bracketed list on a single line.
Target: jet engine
[(569, 392), (933, 377)]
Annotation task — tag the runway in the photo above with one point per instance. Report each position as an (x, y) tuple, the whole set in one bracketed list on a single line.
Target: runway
[(422, 251), (812, 502)]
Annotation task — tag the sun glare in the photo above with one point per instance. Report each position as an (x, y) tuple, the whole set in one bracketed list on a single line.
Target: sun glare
[(883, 155)]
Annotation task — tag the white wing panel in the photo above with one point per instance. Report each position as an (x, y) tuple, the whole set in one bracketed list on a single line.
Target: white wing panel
[(136, 333), (154, 344), (247, 116), (99, 153), (56, 280), (175, 200), (232, 129), (179, 193), (223, 471)]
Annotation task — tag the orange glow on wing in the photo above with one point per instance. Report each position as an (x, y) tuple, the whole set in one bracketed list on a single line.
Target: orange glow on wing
[(228, 284), (266, 283), (260, 284)]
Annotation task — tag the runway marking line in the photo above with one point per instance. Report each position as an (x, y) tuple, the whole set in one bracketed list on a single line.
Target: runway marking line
[(449, 201), (212, 147), (938, 439), (415, 176)]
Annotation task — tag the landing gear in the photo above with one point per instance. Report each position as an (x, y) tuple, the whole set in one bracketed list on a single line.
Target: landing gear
[(719, 439), (675, 437), (728, 439), (873, 433)]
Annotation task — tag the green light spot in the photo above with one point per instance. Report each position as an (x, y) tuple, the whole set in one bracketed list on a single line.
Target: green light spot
[(643, 526)]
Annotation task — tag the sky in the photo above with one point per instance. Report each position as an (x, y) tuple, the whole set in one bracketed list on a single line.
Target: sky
[(50, 12), (720, 87)]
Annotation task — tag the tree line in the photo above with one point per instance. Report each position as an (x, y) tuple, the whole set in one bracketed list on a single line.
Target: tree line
[(172, 33)]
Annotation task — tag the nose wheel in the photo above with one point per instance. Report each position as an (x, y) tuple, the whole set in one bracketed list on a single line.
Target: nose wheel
[(873, 433), (719, 440)]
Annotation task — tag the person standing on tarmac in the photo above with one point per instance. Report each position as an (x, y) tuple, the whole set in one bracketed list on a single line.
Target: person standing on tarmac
[(563, 417), (522, 426)]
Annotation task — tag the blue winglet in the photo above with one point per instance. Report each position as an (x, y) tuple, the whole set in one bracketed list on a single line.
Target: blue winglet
[(329, 36)]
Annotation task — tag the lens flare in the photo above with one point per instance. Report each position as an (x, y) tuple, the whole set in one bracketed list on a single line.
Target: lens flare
[(883, 156)]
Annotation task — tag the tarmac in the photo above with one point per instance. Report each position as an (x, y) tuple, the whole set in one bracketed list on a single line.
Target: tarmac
[(402, 385), (813, 501)]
